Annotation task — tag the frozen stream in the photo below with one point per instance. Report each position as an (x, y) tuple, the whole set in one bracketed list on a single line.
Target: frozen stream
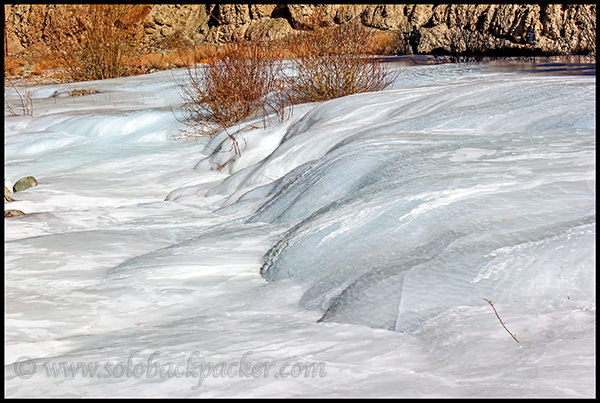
[(346, 253)]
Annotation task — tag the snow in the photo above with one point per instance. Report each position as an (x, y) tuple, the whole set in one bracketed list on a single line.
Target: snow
[(359, 236)]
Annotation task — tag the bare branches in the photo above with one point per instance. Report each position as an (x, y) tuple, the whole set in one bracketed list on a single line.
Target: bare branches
[(26, 101), (243, 81), (501, 322), (335, 62), (94, 40), (246, 79)]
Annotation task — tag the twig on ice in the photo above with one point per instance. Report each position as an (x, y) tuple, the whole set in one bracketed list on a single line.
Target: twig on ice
[(502, 323)]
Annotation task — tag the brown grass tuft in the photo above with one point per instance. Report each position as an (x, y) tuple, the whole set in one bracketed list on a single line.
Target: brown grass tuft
[(176, 58)]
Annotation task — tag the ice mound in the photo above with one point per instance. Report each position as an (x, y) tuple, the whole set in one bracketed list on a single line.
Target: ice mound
[(391, 225)]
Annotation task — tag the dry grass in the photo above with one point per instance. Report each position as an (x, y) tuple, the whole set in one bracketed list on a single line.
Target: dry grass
[(149, 61), (99, 41), (42, 66), (183, 57), (53, 67), (14, 66)]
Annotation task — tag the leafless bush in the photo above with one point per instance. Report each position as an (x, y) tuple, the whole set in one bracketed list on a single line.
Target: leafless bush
[(335, 62), (242, 81), (246, 79), (26, 102), (93, 41)]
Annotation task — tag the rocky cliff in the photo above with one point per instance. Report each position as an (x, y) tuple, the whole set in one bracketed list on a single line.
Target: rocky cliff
[(559, 28)]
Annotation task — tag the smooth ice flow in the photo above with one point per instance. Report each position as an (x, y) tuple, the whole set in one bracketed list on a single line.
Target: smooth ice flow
[(347, 252)]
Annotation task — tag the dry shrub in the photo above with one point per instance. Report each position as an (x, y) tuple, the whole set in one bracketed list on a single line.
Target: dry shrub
[(245, 79), (241, 82), (36, 63), (489, 301), (94, 40), (195, 54), (42, 65), (335, 62)]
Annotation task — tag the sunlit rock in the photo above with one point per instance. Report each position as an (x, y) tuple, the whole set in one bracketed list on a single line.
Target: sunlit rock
[(13, 213), (7, 193)]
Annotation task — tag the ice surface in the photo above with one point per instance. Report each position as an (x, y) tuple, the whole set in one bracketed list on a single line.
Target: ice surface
[(362, 233)]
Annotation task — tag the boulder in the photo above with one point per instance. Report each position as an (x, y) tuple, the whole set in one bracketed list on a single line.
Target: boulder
[(273, 28), (24, 183)]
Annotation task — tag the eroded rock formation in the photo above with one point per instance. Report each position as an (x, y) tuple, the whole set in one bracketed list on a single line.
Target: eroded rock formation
[(559, 28)]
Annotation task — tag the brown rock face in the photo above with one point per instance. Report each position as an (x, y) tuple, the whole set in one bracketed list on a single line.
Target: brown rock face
[(559, 28)]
